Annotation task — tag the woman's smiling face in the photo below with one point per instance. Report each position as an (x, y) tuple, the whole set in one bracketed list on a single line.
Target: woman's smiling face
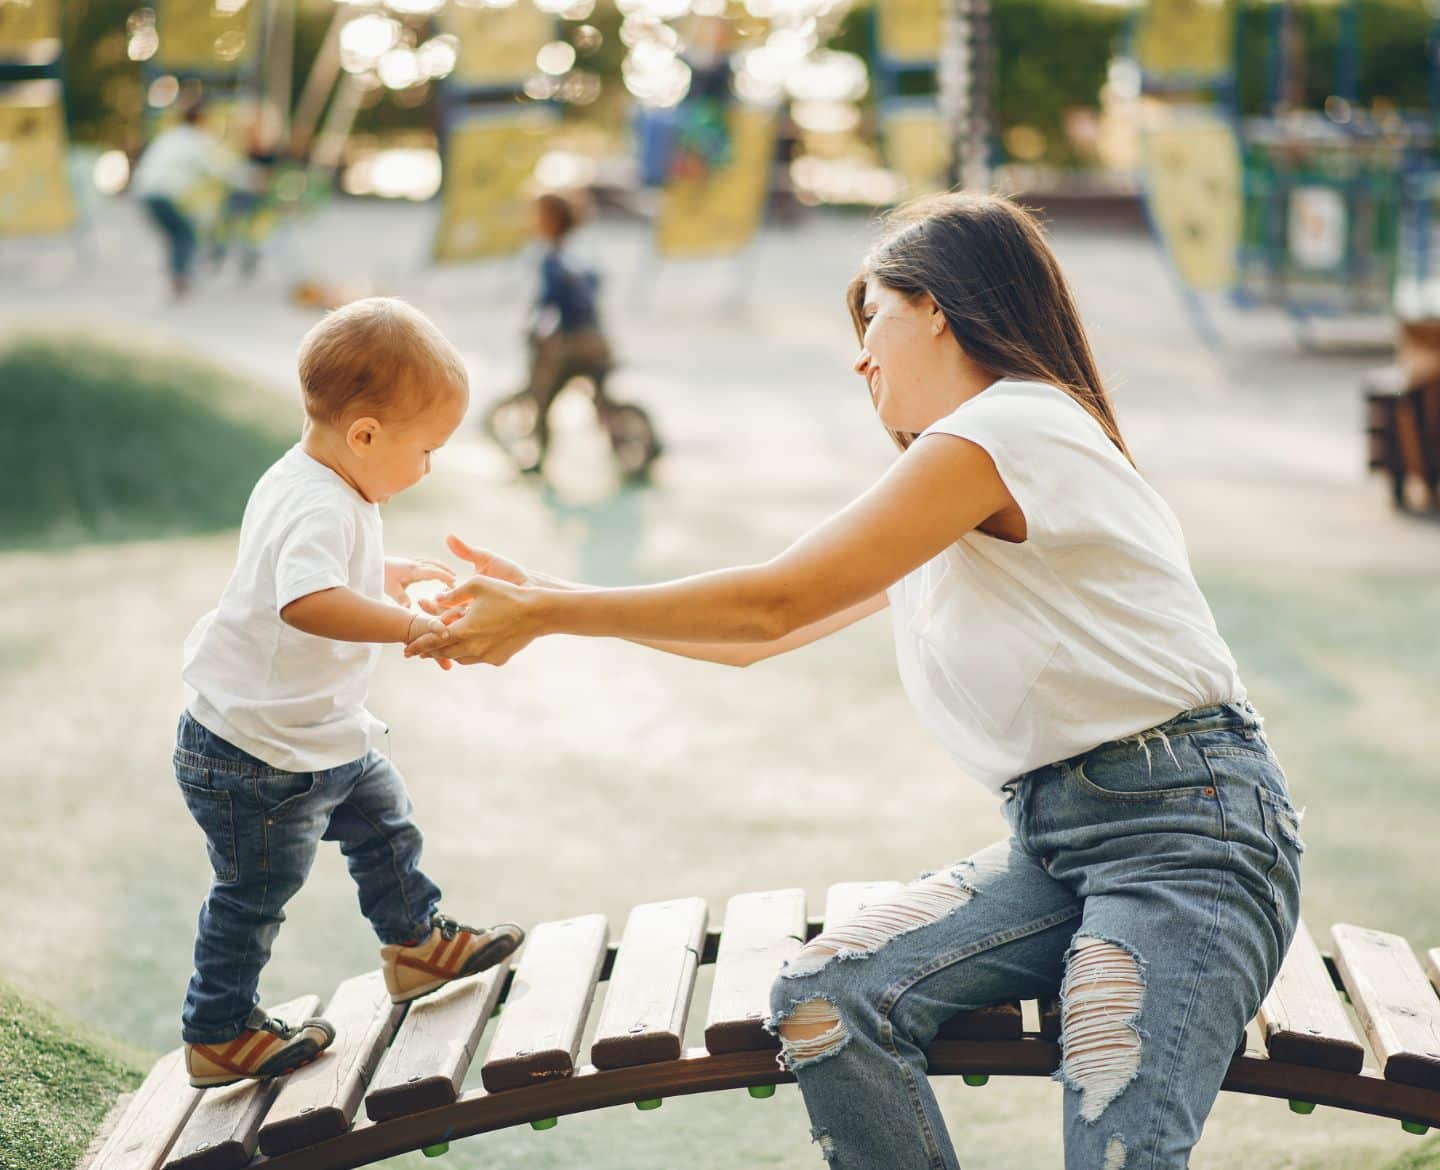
[(906, 358)]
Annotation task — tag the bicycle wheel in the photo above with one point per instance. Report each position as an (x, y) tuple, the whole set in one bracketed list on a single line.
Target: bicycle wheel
[(511, 423), (632, 436)]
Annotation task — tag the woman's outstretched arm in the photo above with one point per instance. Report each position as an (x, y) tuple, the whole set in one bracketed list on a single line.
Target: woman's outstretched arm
[(725, 653), (941, 488)]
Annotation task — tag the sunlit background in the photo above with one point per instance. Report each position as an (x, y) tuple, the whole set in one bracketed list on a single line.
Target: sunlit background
[(1243, 194)]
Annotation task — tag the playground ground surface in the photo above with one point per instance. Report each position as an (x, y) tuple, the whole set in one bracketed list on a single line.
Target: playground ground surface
[(593, 776)]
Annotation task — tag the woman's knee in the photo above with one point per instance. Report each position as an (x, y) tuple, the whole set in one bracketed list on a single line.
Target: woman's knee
[(814, 1015)]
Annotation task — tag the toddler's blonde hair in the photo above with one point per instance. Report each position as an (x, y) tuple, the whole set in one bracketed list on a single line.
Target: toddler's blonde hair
[(376, 356)]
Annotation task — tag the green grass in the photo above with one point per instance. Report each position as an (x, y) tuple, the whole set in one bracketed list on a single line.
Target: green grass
[(110, 439), (59, 1084)]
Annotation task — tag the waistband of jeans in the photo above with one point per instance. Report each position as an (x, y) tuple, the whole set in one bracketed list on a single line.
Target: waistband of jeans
[(1237, 715)]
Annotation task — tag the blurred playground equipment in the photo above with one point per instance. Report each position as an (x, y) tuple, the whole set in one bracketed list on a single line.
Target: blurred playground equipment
[(1402, 405), (1318, 213)]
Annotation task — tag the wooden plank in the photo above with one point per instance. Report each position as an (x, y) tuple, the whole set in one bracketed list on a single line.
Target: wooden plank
[(761, 931), (1050, 1018), (996, 1021), (157, 1112), (1432, 966), (1302, 1019), (224, 1130), (319, 1101), (539, 1033), (648, 999), (428, 1059), (1397, 1006), (844, 900)]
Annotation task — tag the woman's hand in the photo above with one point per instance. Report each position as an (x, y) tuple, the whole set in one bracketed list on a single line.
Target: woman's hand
[(486, 620), (488, 563)]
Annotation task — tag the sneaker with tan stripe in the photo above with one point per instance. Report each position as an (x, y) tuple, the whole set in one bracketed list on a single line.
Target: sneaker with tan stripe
[(451, 952), (266, 1048)]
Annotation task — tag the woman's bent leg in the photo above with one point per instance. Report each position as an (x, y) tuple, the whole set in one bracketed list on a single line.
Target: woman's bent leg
[(859, 1005), (1188, 865)]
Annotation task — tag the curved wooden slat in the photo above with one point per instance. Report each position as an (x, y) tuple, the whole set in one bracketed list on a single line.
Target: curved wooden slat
[(1302, 1019), (320, 1100), (648, 999), (432, 1051), (761, 931), (148, 1128), (224, 1129), (539, 1032), (1397, 1006)]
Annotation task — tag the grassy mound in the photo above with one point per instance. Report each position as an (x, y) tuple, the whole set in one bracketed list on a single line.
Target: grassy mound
[(108, 440), (60, 1081)]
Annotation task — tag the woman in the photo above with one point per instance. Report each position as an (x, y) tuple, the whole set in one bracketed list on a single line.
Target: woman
[(1050, 632)]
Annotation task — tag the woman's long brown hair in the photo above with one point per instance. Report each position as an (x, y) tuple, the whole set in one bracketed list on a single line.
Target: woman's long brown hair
[(985, 262)]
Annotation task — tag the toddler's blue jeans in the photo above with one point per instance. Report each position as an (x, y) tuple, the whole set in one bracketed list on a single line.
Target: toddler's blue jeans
[(1154, 882), (262, 827)]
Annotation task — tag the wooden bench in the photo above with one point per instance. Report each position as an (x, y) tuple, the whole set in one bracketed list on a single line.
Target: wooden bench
[(1402, 406), (405, 1068)]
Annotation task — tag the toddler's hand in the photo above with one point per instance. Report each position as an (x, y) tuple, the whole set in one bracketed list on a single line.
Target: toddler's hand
[(420, 626), (401, 573)]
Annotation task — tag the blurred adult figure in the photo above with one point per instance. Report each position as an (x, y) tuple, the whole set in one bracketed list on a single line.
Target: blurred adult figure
[(173, 165)]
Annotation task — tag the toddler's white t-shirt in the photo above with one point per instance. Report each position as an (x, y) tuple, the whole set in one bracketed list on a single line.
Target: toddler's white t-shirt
[(1093, 628), (289, 698)]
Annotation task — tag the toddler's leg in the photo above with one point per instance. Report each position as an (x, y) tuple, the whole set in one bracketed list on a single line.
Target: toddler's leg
[(262, 829), (424, 950), (376, 831)]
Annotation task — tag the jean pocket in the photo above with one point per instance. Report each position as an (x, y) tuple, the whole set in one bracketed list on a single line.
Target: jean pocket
[(1117, 775), (214, 812), (1282, 828), (280, 794)]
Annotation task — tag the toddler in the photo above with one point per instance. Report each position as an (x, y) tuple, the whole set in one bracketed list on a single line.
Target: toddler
[(275, 750)]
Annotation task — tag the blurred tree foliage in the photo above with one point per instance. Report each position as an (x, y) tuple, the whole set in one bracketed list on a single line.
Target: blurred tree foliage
[(120, 411), (1391, 56), (1051, 56)]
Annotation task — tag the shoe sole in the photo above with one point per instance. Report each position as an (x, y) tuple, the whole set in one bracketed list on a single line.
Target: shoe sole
[(482, 960)]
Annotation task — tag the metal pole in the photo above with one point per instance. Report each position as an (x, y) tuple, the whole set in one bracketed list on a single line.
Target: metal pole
[(319, 83), (965, 90), (279, 64)]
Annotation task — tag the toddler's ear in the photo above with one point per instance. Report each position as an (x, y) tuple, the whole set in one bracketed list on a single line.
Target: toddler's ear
[(360, 435)]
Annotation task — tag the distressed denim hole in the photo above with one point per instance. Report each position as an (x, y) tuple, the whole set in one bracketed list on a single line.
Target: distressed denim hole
[(918, 904), (1100, 999), (811, 1032)]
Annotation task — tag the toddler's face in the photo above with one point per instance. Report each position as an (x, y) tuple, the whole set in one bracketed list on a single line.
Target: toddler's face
[(399, 455)]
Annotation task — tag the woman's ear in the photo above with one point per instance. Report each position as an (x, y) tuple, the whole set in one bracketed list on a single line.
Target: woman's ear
[(938, 324)]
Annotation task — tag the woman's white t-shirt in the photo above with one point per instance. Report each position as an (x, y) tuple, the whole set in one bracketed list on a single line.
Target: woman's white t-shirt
[(1093, 628)]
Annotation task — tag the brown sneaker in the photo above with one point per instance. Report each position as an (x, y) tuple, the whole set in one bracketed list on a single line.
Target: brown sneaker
[(451, 952), (266, 1048)]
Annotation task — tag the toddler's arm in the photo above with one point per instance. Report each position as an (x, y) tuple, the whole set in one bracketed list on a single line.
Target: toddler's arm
[(348, 616)]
